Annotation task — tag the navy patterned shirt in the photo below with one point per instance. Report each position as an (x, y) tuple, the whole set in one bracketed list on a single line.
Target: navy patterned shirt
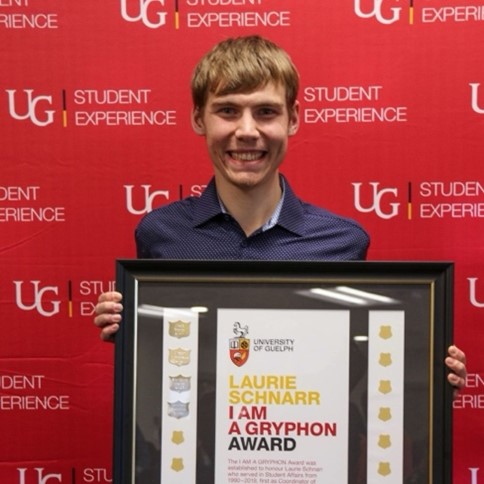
[(197, 228)]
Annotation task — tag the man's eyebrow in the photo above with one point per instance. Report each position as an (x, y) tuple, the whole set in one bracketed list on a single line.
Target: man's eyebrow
[(224, 102), (262, 103)]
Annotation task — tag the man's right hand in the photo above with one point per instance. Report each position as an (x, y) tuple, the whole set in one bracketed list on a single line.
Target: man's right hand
[(108, 309)]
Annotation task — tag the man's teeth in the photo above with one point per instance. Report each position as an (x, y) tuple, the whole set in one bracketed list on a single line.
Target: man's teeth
[(252, 156)]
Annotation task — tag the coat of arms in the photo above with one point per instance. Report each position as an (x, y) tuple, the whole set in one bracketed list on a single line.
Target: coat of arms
[(240, 345)]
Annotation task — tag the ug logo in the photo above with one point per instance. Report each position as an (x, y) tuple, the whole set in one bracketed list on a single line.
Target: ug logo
[(39, 303), (388, 211), (475, 97), (32, 111), (143, 13), (148, 199), (41, 477), (472, 292), (377, 12)]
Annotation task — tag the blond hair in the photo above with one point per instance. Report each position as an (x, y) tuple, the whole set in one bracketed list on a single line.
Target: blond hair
[(243, 64)]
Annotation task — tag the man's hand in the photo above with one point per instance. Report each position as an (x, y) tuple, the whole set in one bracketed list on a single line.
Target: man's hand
[(456, 362), (108, 309)]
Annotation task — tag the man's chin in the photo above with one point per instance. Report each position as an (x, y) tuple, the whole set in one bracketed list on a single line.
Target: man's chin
[(245, 181)]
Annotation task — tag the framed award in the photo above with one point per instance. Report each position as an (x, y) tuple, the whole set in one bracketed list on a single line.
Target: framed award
[(283, 372)]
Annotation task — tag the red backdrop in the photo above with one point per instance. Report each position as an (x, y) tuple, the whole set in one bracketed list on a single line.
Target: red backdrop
[(94, 126)]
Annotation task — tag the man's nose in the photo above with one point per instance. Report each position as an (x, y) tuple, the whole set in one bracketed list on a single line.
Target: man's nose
[(247, 126)]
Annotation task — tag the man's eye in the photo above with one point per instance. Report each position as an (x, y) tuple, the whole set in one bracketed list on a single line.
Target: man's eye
[(267, 112), (227, 110)]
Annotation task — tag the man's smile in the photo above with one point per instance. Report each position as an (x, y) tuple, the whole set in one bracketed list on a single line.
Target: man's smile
[(247, 155)]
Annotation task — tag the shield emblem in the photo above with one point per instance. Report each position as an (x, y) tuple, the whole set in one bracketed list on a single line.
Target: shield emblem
[(385, 414), (384, 441), (179, 329), (180, 383), (179, 356), (177, 437), (177, 464), (239, 350), (385, 386), (384, 468), (385, 332), (385, 359), (178, 409)]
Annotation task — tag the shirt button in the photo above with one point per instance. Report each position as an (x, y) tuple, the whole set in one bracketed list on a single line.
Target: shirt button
[(244, 243)]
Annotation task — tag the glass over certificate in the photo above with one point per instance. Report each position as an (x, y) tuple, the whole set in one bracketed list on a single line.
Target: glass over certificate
[(283, 372)]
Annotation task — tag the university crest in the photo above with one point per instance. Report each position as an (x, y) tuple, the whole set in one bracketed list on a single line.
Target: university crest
[(239, 346)]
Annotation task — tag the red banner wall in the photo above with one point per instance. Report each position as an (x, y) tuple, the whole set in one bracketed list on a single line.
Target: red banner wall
[(95, 132)]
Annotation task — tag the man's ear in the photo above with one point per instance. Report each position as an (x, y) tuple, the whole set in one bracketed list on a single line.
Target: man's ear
[(294, 119), (197, 122)]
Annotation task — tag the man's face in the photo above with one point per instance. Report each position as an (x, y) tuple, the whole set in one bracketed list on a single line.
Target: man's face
[(247, 134)]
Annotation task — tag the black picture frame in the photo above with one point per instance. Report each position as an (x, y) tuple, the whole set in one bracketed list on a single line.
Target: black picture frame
[(423, 291)]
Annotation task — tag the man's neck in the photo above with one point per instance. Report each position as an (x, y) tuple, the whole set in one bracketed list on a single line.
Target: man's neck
[(251, 207)]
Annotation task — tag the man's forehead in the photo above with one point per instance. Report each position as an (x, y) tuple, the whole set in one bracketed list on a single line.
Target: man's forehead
[(269, 93)]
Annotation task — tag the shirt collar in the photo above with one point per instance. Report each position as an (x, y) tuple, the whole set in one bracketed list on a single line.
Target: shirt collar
[(207, 206), (272, 221), (291, 216), (288, 212)]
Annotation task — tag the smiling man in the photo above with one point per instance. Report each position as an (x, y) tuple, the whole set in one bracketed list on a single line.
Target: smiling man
[(246, 135), (245, 105)]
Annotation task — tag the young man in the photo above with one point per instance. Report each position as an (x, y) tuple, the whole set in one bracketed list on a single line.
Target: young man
[(245, 105)]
